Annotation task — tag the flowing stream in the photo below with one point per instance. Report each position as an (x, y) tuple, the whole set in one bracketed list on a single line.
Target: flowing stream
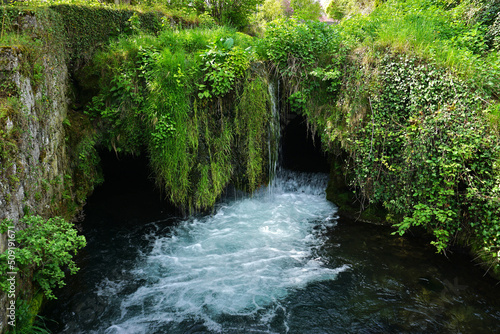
[(240, 262), (280, 261)]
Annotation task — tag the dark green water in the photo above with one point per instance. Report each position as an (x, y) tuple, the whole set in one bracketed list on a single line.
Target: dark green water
[(279, 262)]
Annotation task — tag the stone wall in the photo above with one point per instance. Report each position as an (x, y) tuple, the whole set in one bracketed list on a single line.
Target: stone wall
[(34, 99)]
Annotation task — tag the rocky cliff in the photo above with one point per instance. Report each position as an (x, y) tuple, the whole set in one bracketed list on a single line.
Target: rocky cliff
[(38, 169)]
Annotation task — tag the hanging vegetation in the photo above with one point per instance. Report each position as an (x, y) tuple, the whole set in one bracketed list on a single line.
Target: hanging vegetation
[(176, 97)]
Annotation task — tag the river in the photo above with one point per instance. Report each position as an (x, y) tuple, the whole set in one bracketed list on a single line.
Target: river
[(280, 261)]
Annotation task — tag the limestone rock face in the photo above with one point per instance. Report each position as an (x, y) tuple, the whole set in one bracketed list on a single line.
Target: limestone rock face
[(33, 118), (33, 155)]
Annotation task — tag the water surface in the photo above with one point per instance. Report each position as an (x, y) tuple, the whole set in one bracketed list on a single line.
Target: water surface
[(280, 261)]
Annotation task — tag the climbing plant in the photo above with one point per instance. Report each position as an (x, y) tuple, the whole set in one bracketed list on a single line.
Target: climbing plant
[(419, 143)]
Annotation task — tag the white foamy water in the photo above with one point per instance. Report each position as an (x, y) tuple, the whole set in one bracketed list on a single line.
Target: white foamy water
[(242, 261)]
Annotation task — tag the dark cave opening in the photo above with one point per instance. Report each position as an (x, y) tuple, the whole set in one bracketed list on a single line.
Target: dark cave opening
[(128, 194), (301, 150), (126, 175)]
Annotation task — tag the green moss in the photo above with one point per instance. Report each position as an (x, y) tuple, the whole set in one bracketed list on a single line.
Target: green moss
[(40, 52), (9, 135), (35, 306), (84, 173), (91, 28), (27, 318)]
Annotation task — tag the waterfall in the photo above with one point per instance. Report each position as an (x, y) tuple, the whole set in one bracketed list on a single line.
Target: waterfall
[(240, 263), (274, 132), (236, 266), (233, 271)]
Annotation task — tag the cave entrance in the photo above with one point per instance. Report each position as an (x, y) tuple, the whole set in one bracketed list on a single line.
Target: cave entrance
[(301, 150), (128, 194)]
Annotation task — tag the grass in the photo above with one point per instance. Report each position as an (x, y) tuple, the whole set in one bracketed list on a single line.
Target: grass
[(442, 37), (189, 139)]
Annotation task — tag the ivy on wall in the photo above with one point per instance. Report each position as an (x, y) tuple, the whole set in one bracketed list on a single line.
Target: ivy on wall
[(419, 143), (416, 138), (426, 151), (90, 28)]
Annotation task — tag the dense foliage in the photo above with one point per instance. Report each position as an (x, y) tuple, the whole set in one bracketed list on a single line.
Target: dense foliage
[(306, 56), (406, 92), (176, 97), (427, 153), (458, 39), (45, 248), (416, 130), (233, 13), (416, 114)]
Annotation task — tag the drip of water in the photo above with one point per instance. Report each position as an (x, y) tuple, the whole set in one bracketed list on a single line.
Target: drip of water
[(240, 263), (274, 131)]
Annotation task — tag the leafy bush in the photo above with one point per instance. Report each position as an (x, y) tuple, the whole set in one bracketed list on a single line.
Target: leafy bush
[(295, 45), (222, 65), (46, 249), (307, 56)]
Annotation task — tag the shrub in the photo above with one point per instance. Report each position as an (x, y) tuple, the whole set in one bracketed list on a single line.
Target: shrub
[(46, 248)]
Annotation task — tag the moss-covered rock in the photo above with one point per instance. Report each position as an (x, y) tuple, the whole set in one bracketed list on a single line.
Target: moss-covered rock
[(36, 157)]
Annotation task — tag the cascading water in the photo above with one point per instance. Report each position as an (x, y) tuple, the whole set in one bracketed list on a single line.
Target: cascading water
[(228, 272), (239, 263), (274, 133)]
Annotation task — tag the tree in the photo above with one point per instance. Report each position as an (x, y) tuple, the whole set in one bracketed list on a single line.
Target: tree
[(231, 12), (337, 9), (273, 9), (306, 9)]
